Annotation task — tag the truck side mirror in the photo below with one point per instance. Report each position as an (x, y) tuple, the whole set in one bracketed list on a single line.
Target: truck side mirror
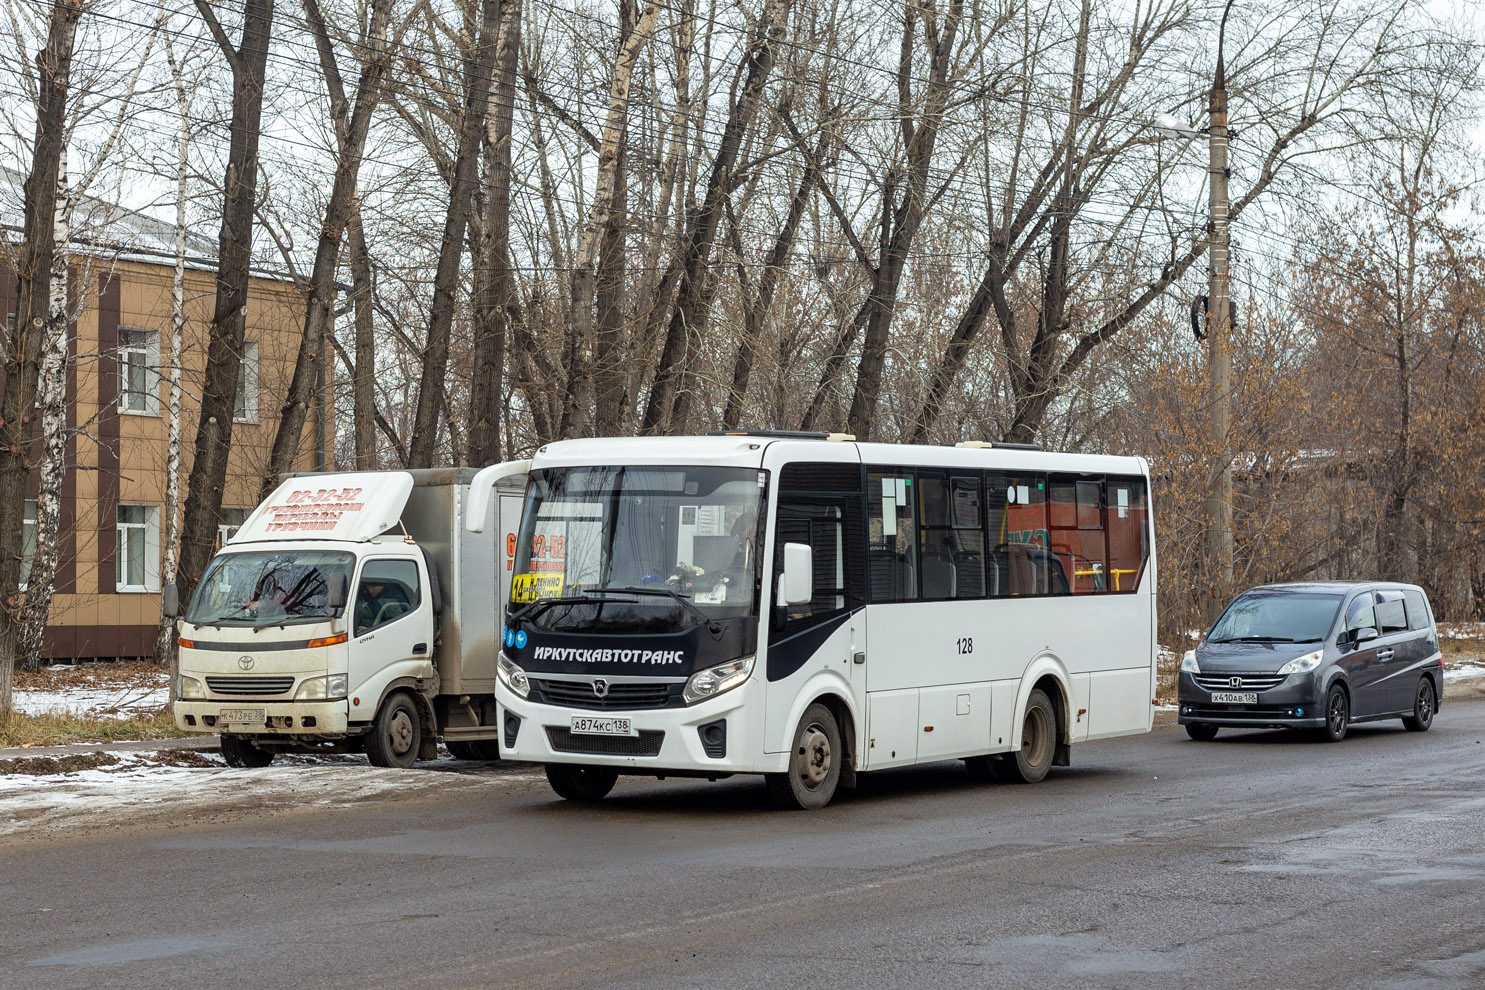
[(797, 582), (335, 597), (170, 601)]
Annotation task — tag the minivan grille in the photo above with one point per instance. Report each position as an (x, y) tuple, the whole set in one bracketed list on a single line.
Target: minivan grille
[(564, 740), (621, 695), (1246, 682), (245, 687)]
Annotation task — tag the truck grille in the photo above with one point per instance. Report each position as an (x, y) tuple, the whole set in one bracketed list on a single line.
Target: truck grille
[(565, 741), (620, 696), (250, 687), (1247, 682)]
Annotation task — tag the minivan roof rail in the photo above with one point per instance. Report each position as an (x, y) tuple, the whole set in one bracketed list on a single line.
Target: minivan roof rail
[(997, 444), (784, 434)]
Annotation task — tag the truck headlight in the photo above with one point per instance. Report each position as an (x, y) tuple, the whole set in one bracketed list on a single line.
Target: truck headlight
[(331, 687), (713, 681), (1188, 663), (512, 676), (190, 689), (1304, 664)]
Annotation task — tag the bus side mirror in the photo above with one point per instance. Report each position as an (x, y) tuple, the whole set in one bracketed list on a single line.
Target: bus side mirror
[(797, 582), (335, 597), (170, 601)]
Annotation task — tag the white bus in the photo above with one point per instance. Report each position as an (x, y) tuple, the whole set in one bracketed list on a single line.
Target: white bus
[(809, 608)]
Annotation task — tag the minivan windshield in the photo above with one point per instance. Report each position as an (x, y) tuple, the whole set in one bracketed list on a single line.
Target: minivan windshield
[(638, 548), (1276, 617), (267, 589)]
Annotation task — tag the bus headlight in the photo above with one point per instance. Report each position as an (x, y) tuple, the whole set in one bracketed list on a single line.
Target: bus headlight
[(191, 689), (1304, 664), (713, 681), (512, 676), (1188, 663), (328, 688)]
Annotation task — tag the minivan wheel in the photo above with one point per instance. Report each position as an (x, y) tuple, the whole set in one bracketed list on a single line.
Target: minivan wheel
[(1201, 731), (1423, 706), (1337, 714)]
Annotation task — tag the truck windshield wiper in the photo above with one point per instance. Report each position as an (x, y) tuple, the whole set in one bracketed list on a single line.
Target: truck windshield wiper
[(712, 625)]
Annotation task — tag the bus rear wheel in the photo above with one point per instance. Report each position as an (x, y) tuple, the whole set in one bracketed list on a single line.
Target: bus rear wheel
[(579, 783), (814, 763), (1030, 763)]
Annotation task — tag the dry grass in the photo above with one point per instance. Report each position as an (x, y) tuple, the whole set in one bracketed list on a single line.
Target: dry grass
[(121, 675), (61, 728)]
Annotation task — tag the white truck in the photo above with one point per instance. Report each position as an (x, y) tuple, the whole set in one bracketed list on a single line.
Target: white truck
[(355, 612)]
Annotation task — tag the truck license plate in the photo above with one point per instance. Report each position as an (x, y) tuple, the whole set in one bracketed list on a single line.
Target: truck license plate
[(583, 725), (1233, 698), (255, 716)]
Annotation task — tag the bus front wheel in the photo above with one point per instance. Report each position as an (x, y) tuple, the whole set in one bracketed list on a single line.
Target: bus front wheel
[(1031, 762), (814, 763), (579, 783)]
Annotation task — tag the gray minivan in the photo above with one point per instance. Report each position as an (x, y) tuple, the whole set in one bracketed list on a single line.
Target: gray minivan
[(1317, 655)]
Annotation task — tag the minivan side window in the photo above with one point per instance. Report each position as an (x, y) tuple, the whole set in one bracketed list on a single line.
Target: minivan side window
[(1389, 612), (1418, 617), (1359, 614)]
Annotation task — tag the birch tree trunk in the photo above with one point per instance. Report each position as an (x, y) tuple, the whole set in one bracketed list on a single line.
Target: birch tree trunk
[(52, 405), (33, 302)]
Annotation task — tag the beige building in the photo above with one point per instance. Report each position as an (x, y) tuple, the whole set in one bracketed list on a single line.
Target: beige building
[(113, 491)]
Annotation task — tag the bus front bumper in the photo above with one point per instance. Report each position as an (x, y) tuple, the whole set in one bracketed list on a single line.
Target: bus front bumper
[(712, 737)]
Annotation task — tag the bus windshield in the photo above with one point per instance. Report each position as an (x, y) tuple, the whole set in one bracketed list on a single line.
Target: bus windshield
[(683, 540), (267, 589)]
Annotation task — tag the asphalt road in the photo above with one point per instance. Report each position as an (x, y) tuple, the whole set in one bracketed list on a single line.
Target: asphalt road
[(1256, 860)]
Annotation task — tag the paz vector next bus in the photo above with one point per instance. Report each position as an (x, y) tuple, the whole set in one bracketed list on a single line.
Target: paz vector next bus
[(809, 608)]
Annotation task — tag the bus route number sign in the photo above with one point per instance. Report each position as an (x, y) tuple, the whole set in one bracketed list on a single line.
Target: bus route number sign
[(527, 588)]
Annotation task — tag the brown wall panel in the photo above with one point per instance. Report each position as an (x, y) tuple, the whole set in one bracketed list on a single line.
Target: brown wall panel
[(108, 430)]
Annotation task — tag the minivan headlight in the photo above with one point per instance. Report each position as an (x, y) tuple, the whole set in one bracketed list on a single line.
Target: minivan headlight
[(332, 687), (512, 676), (1304, 664), (1188, 663), (190, 689), (713, 681)]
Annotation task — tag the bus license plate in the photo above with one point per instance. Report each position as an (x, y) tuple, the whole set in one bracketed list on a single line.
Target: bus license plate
[(1232, 698), (582, 725), (254, 716)]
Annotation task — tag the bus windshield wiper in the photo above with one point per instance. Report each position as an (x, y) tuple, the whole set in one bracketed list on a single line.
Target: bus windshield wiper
[(712, 625), (533, 609)]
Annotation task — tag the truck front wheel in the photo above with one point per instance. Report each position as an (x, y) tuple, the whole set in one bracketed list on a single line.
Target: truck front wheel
[(238, 751), (396, 733)]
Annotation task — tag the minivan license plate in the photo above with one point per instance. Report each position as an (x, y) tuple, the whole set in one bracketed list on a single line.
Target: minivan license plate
[(583, 725), (1233, 698), (253, 716)]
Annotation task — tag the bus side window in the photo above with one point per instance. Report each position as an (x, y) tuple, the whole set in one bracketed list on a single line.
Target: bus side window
[(891, 535), (827, 525), (951, 537), (1125, 522)]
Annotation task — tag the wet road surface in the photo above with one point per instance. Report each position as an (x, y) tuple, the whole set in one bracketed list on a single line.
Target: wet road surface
[(1258, 860)]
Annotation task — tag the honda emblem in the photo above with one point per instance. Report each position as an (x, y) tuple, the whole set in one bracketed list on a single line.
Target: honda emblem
[(244, 663), (600, 687), (1234, 682)]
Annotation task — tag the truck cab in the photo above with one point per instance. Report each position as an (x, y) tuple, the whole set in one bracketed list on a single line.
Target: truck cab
[(354, 612)]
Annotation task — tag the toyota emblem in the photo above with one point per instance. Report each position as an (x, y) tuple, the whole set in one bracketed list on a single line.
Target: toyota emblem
[(244, 663), (1234, 682), (600, 687)]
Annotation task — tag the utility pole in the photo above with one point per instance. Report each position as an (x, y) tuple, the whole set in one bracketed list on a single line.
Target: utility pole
[(1219, 346)]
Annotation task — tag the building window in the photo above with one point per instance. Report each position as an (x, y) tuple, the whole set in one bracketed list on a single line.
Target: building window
[(137, 558), (137, 374), (28, 540), (246, 409), (229, 523)]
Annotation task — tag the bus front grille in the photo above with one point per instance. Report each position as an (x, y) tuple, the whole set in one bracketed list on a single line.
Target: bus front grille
[(564, 740), (620, 695), (250, 687)]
